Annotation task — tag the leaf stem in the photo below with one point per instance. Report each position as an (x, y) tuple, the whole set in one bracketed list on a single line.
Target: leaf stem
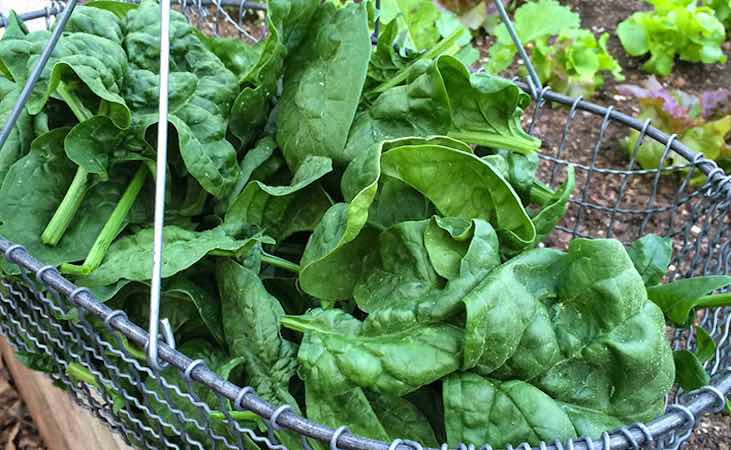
[(75, 194), (81, 112), (112, 228), (78, 373), (540, 195), (67, 209), (133, 351), (714, 300), (239, 416), (280, 262), (523, 145), (444, 46)]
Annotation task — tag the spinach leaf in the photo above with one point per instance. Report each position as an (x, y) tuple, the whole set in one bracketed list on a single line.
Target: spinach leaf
[(32, 190), (681, 297), (651, 256), (201, 121), (441, 97), (251, 319), (483, 193), (322, 85), (331, 260), (18, 142), (251, 323), (398, 267), (183, 248), (554, 208), (251, 106), (370, 414), (90, 145), (334, 357), (689, 371), (544, 320), (445, 240), (283, 210), (198, 291), (397, 202), (294, 18)]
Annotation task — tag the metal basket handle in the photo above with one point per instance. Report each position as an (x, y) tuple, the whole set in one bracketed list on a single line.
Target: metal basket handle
[(160, 175)]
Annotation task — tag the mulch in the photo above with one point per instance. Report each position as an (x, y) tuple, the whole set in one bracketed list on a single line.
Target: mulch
[(17, 430)]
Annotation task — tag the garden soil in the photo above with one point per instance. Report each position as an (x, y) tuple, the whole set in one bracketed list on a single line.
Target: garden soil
[(17, 430)]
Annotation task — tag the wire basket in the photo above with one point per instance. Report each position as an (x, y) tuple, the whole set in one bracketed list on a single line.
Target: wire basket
[(55, 325)]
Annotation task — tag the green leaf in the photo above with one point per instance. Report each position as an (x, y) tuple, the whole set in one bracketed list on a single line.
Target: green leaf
[(633, 37), (395, 363), (447, 242), (441, 97), (322, 85), (498, 412), (675, 28), (690, 374), (294, 18), (393, 306), (350, 407), (397, 267), (532, 21), (416, 20), (554, 340), (120, 9), (374, 415), (33, 189), (198, 292), (90, 143), (546, 219), (482, 193), (200, 121), (397, 202), (689, 371), (331, 260), (283, 210), (18, 143), (251, 319), (651, 256), (679, 298), (183, 248), (259, 78)]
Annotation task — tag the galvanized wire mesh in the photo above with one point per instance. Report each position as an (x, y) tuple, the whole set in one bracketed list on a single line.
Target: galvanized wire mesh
[(57, 327)]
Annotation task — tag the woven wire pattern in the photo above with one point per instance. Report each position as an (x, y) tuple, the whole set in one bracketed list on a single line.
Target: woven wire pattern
[(56, 326)]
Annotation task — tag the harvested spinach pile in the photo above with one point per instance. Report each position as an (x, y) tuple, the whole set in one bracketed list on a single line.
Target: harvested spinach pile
[(350, 229)]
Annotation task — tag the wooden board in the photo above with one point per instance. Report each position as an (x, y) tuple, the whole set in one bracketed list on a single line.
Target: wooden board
[(63, 424)]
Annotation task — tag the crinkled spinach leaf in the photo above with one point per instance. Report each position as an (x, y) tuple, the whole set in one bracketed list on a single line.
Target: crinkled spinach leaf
[(545, 321), (323, 84), (334, 357)]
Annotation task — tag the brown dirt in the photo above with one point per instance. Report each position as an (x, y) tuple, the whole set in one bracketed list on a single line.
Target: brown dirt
[(17, 430)]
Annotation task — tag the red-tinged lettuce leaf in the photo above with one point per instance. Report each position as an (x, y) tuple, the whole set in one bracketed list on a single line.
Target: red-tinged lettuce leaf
[(702, 122)]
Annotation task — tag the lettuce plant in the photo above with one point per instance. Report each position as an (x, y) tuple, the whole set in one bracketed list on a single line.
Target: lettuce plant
[(676, 28), (568, 58), (722, 9), (702, 122)]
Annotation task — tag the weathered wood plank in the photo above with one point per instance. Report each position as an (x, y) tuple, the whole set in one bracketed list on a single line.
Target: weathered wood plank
[(63, 424)]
